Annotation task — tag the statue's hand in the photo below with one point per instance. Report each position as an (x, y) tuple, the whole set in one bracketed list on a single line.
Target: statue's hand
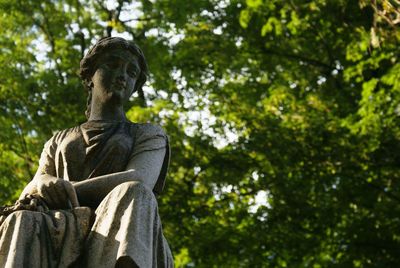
[(57, 193)]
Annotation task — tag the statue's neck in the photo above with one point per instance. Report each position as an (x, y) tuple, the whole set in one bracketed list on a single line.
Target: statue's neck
[(107, 111)]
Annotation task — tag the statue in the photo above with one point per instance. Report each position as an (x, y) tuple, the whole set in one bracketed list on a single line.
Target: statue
[(91, 202)]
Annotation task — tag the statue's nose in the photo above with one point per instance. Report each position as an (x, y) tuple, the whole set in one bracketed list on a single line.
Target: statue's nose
[(120, 79)]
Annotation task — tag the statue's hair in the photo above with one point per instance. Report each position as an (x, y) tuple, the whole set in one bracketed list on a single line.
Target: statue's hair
[(88, 64)]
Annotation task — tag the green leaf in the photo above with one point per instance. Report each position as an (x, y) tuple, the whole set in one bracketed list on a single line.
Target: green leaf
[(245, 17)]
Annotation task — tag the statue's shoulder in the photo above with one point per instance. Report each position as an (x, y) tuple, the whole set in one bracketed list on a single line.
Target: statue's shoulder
[(60, 135), (149, 130), (150, 134)]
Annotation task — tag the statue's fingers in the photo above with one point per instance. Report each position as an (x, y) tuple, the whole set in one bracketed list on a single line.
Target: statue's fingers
[(71, 194), (59, 196), (47, 196), (56, 197)]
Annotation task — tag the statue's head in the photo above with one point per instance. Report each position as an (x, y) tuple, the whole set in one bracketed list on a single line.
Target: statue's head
[(105, 57)]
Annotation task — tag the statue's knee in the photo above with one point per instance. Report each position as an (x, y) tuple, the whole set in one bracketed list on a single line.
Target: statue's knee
[(135, 187), (131, 184), (22, 216)]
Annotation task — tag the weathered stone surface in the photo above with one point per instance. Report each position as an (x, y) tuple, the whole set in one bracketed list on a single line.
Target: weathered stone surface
[(91, 202)]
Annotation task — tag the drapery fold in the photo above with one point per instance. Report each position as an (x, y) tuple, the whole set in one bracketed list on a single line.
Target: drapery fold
[(125, 224)]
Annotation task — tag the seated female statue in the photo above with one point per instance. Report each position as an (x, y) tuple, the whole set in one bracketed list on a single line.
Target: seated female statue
[(91, 202)]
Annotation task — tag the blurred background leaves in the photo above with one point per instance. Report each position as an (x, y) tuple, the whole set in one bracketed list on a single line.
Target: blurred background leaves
[(283, 118)]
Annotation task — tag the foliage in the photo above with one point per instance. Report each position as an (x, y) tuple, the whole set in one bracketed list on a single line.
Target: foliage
[(283, 118)]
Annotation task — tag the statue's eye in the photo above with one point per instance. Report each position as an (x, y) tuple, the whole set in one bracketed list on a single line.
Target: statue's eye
[(132, 71)]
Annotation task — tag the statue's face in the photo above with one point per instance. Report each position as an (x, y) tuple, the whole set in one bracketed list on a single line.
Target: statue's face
[(116, 75)]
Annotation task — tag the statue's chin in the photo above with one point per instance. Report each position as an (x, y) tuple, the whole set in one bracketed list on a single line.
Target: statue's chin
[(115, 96)]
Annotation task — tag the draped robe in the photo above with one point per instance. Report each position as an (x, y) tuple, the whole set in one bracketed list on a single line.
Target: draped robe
[(125, 224)]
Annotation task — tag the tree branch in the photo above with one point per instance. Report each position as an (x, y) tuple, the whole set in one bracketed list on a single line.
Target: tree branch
[(387, 193), (23, 144), (296, 57), (45, 27), (141, 19)]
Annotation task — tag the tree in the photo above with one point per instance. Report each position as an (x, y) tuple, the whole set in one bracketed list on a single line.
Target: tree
[(283, 118)]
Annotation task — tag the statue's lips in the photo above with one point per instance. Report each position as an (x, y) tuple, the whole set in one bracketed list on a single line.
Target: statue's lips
[(118, 86)]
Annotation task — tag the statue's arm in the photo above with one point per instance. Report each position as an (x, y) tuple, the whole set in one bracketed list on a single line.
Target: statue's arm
[(56, 192), (144, 167)]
